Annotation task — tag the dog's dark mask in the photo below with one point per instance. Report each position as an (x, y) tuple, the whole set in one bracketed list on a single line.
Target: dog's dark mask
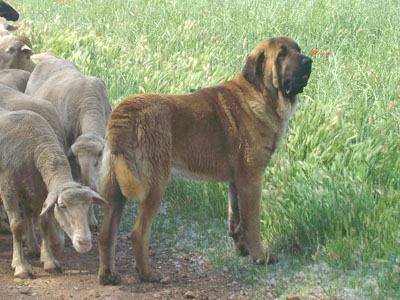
[(278, 64)]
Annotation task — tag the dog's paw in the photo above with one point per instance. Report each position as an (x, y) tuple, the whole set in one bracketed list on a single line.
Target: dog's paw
[(259, 259), (109, 278), (272, 258), (241, 249)]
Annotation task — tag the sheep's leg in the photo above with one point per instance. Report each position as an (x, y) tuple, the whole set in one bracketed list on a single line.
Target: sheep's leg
[(50, 264), (32, 244), (11, 204)]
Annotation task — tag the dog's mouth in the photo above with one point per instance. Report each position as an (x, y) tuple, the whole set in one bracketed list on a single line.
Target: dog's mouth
[(295, 85)]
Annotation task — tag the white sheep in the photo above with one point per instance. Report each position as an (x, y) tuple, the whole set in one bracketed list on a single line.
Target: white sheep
[(14, 100), (83, 105), (15, 78), (33, 168), (15, 53)]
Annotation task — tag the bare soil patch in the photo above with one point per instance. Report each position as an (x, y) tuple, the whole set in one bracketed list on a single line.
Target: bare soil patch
[(186, 276)]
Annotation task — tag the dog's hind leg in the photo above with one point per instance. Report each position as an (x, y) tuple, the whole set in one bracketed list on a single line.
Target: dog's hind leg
[(140, 234), (107, 239), (109, 229)]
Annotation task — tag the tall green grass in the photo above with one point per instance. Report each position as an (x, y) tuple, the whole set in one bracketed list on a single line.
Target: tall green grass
[(332, 191)]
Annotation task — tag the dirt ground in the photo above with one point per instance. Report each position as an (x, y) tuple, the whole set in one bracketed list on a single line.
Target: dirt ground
[(186, 276)]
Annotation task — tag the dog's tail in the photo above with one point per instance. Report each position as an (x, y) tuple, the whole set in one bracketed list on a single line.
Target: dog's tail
[(117, 179)]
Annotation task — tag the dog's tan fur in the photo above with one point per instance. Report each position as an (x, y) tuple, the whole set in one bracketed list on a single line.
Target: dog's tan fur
[(223, 133)]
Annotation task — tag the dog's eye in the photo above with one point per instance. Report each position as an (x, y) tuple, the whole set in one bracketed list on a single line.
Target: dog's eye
[(282, 52), (61, 205)]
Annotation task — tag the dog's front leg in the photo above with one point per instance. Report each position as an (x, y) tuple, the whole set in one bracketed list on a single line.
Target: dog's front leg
[(247, 234), (234, 219)]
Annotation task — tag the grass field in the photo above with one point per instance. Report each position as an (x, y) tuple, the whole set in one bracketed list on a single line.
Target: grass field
[(332, 192)]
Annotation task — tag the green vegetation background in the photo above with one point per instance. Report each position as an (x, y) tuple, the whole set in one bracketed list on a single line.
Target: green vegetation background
[(332, 192)]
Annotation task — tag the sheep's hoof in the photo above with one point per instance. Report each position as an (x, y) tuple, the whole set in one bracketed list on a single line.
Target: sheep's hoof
[(109, 278), (23, 273), (53, 267)]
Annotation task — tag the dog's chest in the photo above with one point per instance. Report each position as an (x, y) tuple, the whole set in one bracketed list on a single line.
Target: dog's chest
[(267, 139)]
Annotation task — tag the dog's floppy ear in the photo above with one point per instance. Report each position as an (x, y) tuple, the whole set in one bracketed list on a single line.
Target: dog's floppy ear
[(253, 71)]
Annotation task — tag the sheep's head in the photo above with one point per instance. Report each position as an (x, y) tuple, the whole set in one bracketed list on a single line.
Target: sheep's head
[(88, 150), (15, 53), (71, 206)]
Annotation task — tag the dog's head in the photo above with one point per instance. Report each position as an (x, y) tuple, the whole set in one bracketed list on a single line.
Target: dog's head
[(278, 64)]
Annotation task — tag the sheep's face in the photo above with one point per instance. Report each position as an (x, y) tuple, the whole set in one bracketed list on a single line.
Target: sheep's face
[(15, 53), (71, 207), (88, 150)]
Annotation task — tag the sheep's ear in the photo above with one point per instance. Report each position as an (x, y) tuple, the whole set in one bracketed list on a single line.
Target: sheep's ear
[(49, 202), (97, 199), (25, 40), (26, 50)]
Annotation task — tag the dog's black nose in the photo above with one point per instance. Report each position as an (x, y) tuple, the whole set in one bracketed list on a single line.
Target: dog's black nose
[(305, 60)]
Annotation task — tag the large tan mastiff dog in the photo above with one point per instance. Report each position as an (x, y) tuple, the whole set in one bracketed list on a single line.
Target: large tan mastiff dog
[(223, 133)]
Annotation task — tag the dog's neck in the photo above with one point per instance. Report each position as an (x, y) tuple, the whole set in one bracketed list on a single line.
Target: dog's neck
[(269, 106), (284, 106)]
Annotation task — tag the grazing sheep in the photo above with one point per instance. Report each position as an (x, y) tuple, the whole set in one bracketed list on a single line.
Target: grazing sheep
[(33, 168), (82, 103), (14, 100), (9, 57), (15, 53), (14, 78), (39, 57)]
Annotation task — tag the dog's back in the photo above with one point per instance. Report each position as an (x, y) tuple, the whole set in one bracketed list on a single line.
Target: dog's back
[(138, 145)]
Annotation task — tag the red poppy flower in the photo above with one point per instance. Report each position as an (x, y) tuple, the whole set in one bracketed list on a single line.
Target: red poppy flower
[(328, 54), (315, 51)]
